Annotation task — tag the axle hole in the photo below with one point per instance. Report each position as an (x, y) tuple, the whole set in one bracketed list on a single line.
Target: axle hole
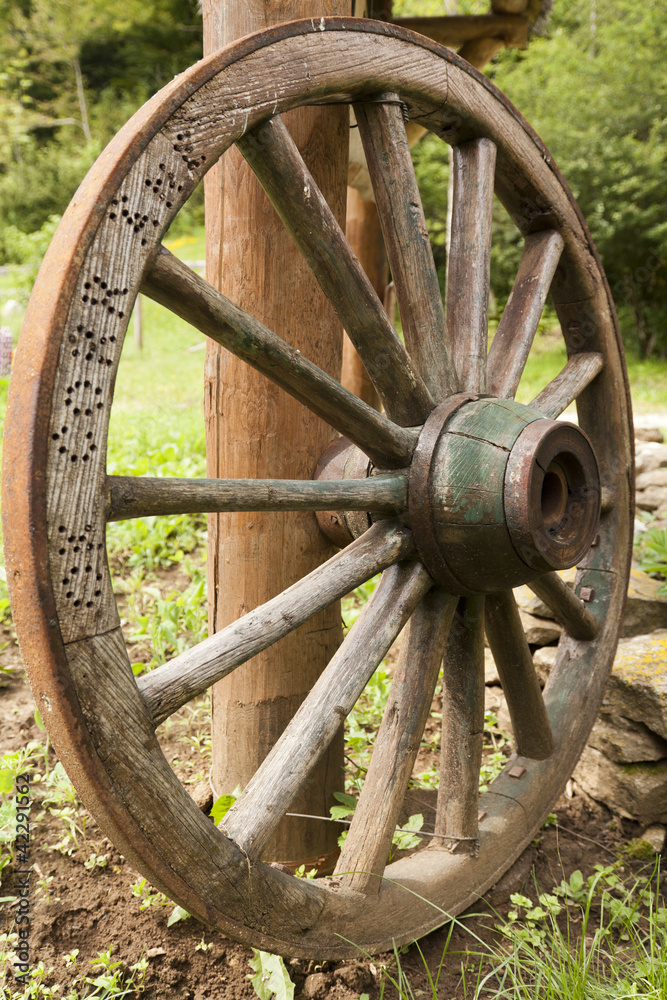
[(554, 497)]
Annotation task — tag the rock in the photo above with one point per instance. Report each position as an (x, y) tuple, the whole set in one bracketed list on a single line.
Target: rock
[(316, 986), (652, 498), (355, 977), (655, 477), (490, 669), (637, 688), (203, 796), (645, 609), (648, 434), (544, 660), (625, 741), (635, 791), (650, 456), (655, 836), (540, 631), (495, 702)]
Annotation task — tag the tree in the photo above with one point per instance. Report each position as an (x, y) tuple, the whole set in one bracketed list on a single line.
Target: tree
[(73, 71), (595, 91)]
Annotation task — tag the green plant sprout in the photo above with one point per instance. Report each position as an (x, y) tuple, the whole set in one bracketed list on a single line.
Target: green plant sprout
[(149, 896)]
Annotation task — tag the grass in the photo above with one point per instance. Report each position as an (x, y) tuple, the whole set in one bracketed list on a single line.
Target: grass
[(595, 938)]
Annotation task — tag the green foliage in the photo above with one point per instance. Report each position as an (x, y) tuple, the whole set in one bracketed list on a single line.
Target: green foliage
[(71, 73), (651, 550), (223, 804), (172, 624), (270, 978), (27, 250), (590, 939), (594, 93), (109, 980), (149, 896), (176, 915)]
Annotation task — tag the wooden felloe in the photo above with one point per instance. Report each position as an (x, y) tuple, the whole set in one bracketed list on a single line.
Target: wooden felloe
[(457, 493)]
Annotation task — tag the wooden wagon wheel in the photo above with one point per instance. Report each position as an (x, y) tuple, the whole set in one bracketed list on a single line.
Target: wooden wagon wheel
[(471, 493)]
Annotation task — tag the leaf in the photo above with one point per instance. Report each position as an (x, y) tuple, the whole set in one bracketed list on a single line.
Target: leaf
[(6, 781), (178, 913), (576, 881), (347, 800), (38, 720), (340, 812), (222, 805), (271, 978)]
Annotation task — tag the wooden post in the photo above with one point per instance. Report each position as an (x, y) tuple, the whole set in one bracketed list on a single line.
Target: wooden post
[(255, 430), (364, 234), (365, 237)]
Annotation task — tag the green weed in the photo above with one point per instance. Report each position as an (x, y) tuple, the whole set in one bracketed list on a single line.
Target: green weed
[(149, 896), (167, 625), (651, 551)]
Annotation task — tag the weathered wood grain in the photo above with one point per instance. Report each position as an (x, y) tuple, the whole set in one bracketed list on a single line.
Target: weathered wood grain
[(518, 324), (175, 683), (406, 238), (252, 819), (366, 848), (530, 722), (296, 197), (462, 731), (139, 496), (178, 288), (468, 266), (578, 621), (568, 385)]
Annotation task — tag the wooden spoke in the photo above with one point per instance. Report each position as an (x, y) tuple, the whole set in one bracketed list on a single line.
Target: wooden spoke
[(518, 325), (267, 797), (139, 496), (462, 727), (174, 285), (468, 266), (580, 370), (530, 722), (577, 620), (366, 848), (406, 238), (281, 171), (168, 687)]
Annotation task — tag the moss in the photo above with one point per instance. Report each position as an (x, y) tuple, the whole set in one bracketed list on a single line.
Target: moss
[(638, 850), (644, 767)]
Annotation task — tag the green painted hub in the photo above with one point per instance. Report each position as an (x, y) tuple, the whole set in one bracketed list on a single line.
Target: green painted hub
[(499, 494)]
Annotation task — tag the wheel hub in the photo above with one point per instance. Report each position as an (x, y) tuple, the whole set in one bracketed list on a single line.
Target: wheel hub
[(498, 494)]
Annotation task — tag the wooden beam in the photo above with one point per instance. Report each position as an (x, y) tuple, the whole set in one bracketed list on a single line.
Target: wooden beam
[(457, 29)]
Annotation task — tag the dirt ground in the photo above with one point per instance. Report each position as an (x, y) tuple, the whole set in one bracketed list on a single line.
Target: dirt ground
[(90, 910)]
